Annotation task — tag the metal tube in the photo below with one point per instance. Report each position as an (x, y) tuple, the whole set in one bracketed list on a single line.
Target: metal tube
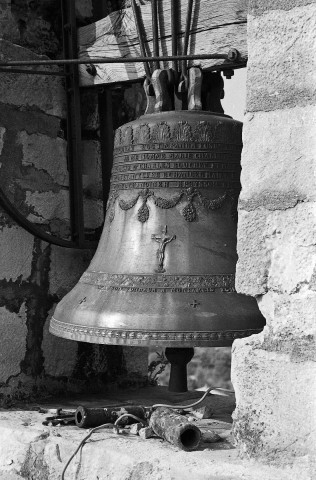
[(154, 16), (92, 417), (96, 60), (187, 35), (174, 27), (74, 146), (175, 428)]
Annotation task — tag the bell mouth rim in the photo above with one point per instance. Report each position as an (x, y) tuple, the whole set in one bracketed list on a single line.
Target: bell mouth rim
[(145, 337)]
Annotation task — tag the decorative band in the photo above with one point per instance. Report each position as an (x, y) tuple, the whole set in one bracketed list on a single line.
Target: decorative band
[(178, 146), (181, 134), (146, 175), (111, 335), (160, 282), (153, 184), (189, 212)]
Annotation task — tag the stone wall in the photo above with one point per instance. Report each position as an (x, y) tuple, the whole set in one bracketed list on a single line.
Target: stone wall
[(35, 275), (274, 372)]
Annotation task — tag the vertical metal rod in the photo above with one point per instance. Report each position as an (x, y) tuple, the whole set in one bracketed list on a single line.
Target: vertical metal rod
[(174, 29), (73, 123), (186, 36), (140, 37), (154, 16), (106, 137)]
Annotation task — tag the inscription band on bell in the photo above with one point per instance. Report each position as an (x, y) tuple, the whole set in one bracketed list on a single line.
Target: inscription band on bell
[(160, 282)]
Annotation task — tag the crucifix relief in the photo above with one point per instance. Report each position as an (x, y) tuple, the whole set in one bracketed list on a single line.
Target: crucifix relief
[(163, 240)]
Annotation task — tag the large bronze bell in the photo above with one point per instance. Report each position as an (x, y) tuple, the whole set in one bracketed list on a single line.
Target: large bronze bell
[(163, 273)]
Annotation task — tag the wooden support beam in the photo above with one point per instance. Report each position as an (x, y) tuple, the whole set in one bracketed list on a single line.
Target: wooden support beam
[(217, 26)]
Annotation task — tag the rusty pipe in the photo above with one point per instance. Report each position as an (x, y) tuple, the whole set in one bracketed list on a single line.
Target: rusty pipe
[(93, 417), (176, 429)]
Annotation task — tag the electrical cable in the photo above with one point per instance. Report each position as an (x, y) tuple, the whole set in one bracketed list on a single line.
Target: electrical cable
[(95, 429), (184, 407)]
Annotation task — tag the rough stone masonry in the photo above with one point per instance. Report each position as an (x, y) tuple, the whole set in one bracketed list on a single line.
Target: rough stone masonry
[(34, 275), (274, 373)]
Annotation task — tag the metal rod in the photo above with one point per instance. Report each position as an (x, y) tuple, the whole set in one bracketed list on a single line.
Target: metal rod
[(141, 37), (74, 145), (174, 27), (98, 60), (186, 36), (33, 72), (154, 16)]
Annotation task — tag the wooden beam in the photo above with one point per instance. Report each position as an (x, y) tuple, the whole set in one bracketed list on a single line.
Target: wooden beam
[(217, 26)]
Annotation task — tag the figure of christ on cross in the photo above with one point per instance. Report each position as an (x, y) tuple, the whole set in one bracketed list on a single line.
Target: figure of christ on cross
[(163, 240)]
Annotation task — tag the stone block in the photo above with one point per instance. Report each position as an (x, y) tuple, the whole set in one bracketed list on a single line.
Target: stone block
[(16, 246), (275, 417), (13, 332), (30, 450), (45, 153), (60, 355), (290, 314), (48, 205), (282, 56), (276, 249), (66, 267), (43, 92), (278, 159)]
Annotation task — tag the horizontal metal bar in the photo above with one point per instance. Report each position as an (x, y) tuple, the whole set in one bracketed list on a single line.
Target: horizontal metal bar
[(32, 72), (98, 60)]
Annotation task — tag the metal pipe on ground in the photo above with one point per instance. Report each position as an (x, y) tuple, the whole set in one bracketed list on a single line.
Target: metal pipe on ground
[(176, 429)]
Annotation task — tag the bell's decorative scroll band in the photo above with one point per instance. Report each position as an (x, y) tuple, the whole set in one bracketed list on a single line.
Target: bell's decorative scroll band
[(189, 211), (203, 134), (160, 283)]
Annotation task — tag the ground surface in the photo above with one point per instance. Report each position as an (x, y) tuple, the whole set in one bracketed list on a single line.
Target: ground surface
[(31, 450)]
